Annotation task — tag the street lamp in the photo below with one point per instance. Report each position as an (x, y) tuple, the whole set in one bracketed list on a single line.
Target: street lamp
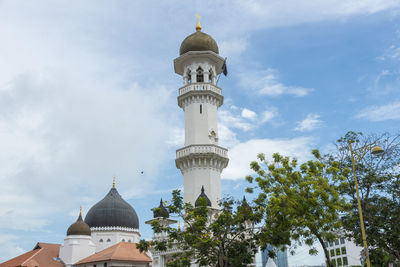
[(356, 156)]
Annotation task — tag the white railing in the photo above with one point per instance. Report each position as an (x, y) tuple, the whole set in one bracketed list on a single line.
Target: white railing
[(199, 87), (201, 149), (114, 228)]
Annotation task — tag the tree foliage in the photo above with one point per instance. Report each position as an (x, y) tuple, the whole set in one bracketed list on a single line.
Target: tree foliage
[(379, 186), (210, 237), (301, 202)]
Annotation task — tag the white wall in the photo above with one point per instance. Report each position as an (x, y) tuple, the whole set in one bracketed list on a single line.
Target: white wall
[(195, 178), (114, 237), (352, 252), (75, 248)]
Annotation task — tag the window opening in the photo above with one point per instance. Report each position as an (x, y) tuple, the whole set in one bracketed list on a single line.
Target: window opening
[(199, 75), (101, 240), (201, 109), (210, 76), (345, 261), (109, 240), (189, 76)]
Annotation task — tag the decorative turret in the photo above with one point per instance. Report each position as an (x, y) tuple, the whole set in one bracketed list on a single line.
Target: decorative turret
[(245, 206), (78, 243), (161, 215), (202, 199), (201, 160), (161, 211), (79, 227)]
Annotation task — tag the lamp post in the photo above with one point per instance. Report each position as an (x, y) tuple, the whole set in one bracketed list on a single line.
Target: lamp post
[(356, 156)]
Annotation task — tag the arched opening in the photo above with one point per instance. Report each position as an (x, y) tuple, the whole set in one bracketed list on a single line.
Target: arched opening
[(123, 240), (189, 76), (109, 240), (201, 109), (199, 75), (101, 240), (210, 76)]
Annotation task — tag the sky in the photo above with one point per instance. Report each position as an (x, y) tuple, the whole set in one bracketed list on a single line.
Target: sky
[(88, 91)]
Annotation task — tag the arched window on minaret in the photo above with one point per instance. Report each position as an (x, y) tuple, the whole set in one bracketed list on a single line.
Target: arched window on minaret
[(188, 76), (210, 76), (199, 75)]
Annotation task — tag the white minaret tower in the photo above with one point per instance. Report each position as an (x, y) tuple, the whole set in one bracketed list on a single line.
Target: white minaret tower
[(201, 160)]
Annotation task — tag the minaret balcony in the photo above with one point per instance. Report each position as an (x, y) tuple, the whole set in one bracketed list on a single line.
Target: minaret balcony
[(201, 156), (200, 92), (200, 87)]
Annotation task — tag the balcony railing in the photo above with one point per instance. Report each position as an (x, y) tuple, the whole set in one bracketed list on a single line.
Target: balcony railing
[(200, 87), (201, 149)]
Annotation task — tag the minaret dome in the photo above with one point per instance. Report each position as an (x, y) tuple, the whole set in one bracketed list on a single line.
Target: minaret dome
[(79, 227)]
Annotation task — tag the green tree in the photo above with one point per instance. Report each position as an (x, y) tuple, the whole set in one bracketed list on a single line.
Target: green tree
[(301, 203), (379, 187), (211, 237)]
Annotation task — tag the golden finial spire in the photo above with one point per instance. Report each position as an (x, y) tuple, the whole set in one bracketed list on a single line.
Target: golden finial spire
[(198, 26), (80, 211), (179, 226), (113, 181)]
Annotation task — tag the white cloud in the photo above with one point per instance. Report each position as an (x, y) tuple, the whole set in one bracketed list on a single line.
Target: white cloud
[(177, 137), (231, 120), (245, 16), (311, 122), (247, 121), (233, 48), (267, 82), (268, 115), (56, 135), (82, 93), (249, 114), (227, 137), (389, 111), (242, 154), (10, 247)]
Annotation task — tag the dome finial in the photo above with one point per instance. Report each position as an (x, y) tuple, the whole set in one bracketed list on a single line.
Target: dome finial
[(198, 26), (113, 181), (80, 211)]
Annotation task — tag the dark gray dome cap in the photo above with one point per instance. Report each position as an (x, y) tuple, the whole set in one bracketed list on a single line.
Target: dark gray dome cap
[(202, 196), (112, 211), (161, 211)]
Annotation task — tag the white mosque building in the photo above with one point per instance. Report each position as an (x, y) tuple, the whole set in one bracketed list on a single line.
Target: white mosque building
[(108, 235)]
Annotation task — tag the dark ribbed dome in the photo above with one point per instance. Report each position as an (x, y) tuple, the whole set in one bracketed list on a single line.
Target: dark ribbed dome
[(79, 227), (112, 211), (161, 211), (198, 41), (202, 196)]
